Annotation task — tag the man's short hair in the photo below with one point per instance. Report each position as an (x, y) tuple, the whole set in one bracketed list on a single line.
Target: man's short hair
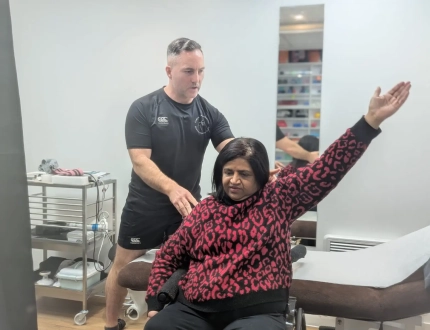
[(180, 45)]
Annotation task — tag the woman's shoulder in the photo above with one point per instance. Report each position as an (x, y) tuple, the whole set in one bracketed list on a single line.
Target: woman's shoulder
[(206, 200), (209, 203)]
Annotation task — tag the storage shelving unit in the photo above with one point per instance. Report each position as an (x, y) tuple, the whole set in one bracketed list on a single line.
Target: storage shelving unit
[(299, 101), (48, 210)]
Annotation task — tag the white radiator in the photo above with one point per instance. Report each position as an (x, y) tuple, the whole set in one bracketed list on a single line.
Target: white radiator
[(334, 243)]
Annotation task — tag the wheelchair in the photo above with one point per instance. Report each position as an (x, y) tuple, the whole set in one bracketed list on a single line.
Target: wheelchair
[(296, 319)]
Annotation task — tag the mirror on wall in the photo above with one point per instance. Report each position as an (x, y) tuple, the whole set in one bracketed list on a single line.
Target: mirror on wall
[(298, 112)]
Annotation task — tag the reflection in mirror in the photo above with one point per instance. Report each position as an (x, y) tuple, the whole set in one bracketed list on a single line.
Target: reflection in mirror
[(299, 98)]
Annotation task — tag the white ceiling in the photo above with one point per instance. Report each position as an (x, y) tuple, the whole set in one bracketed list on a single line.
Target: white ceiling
[(303, 40), (312, 14)]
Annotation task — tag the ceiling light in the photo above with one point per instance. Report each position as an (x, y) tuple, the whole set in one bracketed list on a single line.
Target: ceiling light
[(299, 17)]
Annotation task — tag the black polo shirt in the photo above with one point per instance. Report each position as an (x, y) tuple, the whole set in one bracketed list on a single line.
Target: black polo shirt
[(178, 135), (279, 134)]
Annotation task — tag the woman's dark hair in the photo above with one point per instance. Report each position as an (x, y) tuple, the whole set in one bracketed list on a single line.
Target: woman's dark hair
[(309, 143), (249, 149)]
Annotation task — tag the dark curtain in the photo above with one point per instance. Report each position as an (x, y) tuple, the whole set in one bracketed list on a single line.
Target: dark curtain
[(17, 298)]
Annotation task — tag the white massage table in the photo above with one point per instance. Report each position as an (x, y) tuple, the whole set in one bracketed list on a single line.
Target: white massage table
[(363, 288)]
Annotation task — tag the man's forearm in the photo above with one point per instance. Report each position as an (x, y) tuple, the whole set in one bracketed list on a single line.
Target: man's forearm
[(149, 172), (293, 149)]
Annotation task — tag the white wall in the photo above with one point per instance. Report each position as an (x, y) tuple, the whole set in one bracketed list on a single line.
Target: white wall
[(365, 45), (82, 63), (385, 194)]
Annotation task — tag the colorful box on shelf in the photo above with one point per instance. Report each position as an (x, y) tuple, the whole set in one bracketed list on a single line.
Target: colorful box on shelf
[(281, 123), (299, 125)]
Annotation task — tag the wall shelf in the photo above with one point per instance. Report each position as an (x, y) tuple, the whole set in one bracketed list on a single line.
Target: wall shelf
[(299, 101)]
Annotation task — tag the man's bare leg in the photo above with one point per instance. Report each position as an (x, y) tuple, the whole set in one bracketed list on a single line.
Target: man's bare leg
[(115, 294)]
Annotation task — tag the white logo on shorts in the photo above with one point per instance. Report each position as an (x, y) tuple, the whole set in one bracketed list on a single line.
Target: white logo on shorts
[(134, 240)]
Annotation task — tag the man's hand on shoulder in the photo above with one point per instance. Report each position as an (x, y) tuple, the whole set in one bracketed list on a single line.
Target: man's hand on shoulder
[(181, 198), (152, 176)]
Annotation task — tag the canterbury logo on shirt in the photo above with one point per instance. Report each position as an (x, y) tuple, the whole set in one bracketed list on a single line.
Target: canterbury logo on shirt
[(163, 120)]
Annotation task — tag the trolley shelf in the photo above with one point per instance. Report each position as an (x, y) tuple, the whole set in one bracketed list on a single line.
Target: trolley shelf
[(66, 213), (76, 295), (69, 186), (62, 245)]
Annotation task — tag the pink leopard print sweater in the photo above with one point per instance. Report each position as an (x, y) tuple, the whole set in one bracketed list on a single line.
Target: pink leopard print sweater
[(239, 255)]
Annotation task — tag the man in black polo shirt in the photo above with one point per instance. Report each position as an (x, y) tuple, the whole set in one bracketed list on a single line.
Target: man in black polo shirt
[(167, 133)]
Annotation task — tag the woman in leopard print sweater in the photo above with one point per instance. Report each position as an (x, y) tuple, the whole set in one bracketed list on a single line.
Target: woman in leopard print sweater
[(235, 243)]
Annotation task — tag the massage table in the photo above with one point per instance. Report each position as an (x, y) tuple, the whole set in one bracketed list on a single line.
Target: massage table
[(305, 227), (364, 289)]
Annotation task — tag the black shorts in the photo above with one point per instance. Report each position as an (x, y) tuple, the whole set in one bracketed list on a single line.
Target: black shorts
[(139, 231)]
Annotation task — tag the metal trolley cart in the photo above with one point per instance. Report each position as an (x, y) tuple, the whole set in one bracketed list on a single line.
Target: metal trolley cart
[(55, 211)]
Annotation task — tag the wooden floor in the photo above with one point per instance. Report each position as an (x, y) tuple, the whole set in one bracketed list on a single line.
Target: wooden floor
[(57, 314)]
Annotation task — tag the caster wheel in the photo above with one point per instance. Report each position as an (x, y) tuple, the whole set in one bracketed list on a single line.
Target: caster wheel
[(80, 318), (132, 313)]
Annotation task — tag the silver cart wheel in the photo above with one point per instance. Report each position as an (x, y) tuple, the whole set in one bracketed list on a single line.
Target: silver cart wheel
[(81, 318)]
